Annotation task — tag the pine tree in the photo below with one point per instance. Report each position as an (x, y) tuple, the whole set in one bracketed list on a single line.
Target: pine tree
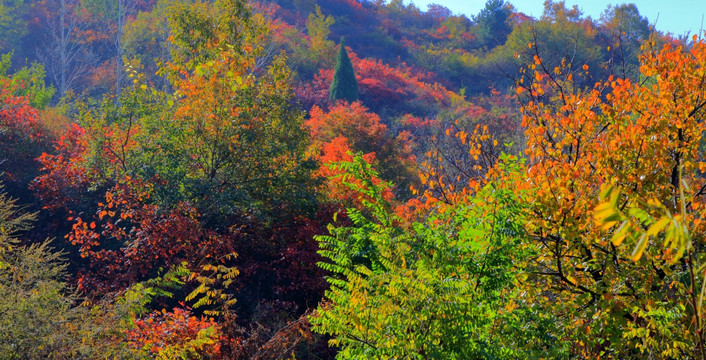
[(344, 85)]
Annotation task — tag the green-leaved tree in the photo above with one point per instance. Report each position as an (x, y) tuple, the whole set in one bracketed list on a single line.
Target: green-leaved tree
[(344, 85), (447, 287)]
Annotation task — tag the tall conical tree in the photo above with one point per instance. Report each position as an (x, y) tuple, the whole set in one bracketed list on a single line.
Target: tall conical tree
[(344, 85)]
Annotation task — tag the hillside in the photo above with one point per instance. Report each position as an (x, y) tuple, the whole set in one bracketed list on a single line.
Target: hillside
[(319, 179)]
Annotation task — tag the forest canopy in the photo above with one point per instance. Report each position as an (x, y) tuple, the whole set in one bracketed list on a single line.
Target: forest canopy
[(320, 179)]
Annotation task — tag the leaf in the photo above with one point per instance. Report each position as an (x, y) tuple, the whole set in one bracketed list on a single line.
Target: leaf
[(611, 220), (640, 248), (614, 199), (658, 226), (621, 233), (605, 192)]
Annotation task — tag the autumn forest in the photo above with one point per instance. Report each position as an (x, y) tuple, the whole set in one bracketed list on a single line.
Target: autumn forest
[(349, 179)]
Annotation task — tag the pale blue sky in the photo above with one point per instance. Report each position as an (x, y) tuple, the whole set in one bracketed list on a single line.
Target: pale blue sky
[(675, 16)]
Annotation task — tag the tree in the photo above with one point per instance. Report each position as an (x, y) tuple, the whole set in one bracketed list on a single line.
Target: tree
[(561, 39), (27, 82), (146, 44), (344, 85), (623, 31), (13, 25), (646, 138), (443, 288), (199, 29), (161, 177), (383, 88), (22, 135), (65, 56), (175, 334), (318, 29), (123, 11), (34, 303), (352, 127), (493, 23), (35, 307), (317, 53), (463, 143)]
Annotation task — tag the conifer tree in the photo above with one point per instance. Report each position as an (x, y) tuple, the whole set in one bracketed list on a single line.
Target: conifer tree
[(344, 85)]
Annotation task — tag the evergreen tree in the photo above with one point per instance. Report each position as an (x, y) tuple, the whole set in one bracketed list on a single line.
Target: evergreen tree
[(494, 23), (344, 85)]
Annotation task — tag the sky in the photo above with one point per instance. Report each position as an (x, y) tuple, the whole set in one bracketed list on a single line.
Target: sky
[(675, 16)]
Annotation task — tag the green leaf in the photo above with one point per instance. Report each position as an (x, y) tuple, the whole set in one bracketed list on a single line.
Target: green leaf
[(640, 248), (614, 199), (611, 220), (605, 192), (658, 226), (621, 233)]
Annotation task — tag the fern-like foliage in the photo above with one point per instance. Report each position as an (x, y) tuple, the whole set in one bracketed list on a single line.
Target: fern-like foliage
[(213, 281), (443, 290), (12, 222)]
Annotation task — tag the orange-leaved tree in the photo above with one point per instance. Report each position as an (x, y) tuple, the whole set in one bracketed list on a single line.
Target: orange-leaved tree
[(639, 135), (349, 128)]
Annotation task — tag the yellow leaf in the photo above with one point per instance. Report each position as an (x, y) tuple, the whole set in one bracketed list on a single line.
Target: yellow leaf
[(640, 248), (658, 226), (620, 234)]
